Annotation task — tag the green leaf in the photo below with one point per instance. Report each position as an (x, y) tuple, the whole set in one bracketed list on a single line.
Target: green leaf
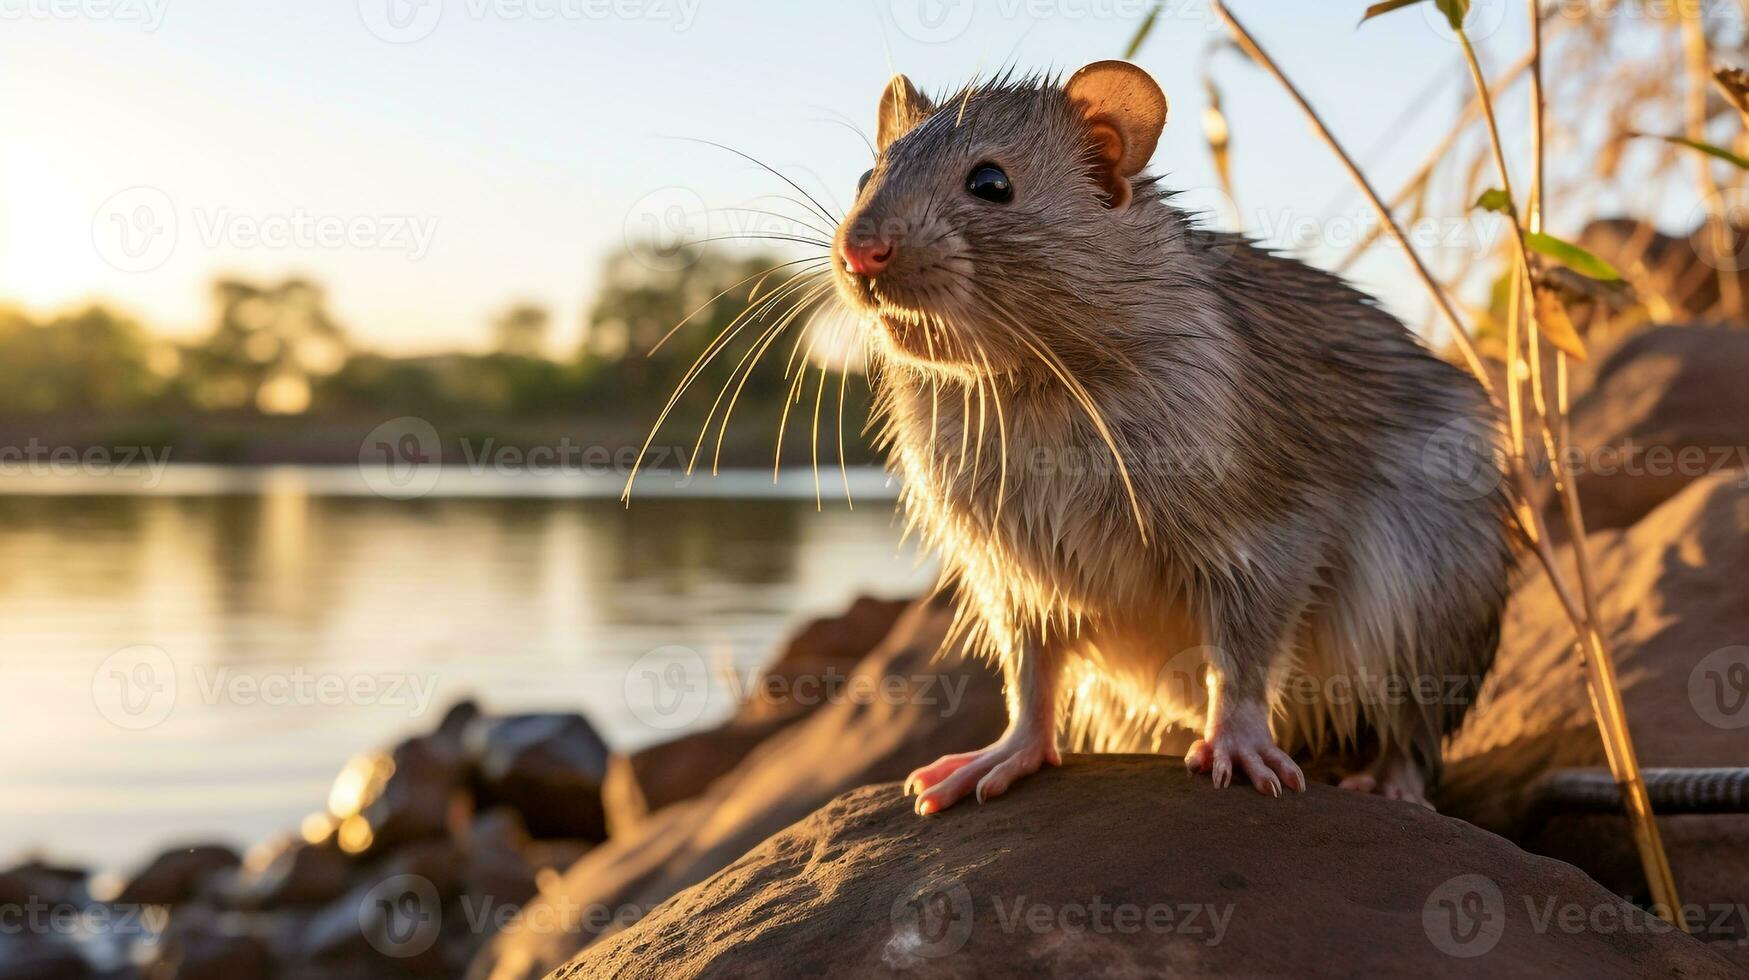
[(1494, 199), (1709, 149), (1142, 32), (1571, 256), (1385, 7)]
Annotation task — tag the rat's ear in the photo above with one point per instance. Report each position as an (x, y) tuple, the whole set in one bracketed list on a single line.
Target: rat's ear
[(902, 107), (1125, 111)]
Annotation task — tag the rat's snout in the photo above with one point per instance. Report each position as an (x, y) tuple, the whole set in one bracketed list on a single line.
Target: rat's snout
[(867, 253)]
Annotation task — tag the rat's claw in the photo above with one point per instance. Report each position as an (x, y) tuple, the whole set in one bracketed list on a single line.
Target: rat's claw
[(923, 778), (982, 775), (1200, 756), (1253, 753)]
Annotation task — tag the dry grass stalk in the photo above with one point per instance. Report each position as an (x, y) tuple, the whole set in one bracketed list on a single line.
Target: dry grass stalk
[(1601, 679)]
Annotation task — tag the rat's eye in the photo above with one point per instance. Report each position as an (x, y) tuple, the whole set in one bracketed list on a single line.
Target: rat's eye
[(862, 181), (989, 182)]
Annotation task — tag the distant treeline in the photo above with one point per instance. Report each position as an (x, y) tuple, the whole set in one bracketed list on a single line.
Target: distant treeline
[(279, 378)]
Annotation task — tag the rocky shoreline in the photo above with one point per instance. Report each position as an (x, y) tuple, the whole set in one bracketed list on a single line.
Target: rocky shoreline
[(517, 847), (424, 849)]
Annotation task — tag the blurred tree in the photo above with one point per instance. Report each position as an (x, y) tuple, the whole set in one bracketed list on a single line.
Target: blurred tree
[(275, 349), (266, 346), (636, 306), (88, 361), (521, 331)]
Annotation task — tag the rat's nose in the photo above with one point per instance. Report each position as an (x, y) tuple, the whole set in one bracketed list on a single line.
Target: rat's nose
[(867, 256)]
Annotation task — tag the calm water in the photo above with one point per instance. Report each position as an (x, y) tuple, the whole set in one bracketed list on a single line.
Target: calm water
[(196, 660)]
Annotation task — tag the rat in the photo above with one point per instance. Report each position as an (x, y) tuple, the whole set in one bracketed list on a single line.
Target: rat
[(1178, 482)]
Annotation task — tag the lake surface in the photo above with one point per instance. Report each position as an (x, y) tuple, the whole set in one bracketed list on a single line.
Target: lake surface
[(194, 656)]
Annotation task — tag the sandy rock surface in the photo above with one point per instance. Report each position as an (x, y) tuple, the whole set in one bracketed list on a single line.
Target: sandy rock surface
[(1125, 866)]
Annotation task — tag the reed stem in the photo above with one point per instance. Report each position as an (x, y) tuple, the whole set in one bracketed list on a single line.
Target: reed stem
[(1604, 689)]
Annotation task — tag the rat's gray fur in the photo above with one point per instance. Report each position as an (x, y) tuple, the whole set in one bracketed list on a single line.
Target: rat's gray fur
[(1307, 498)]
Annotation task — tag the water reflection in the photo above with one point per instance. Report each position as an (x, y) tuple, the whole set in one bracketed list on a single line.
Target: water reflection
[(531, 601)]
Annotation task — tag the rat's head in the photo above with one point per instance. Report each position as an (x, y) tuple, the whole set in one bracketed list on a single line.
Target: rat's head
[(975, 235)]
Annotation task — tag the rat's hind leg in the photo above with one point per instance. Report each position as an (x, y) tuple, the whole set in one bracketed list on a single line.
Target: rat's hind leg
[(1237, 737), (1249, 631), (1394, 776), (1032, 674)]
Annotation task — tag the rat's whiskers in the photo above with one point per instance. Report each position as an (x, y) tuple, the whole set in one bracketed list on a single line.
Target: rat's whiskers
[(757, 353), (795, 285), (716, 346), (1079, 392), (818, 208), (732, 287)]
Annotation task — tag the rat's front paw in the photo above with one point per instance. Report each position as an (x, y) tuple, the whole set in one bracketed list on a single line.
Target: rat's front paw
[(989, 771), (1241, 740)]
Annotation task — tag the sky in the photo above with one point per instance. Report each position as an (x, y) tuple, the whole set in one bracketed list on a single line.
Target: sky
[(433, 161)]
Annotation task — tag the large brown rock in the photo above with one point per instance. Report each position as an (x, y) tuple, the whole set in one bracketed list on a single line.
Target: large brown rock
[(549, 767), (178, 874), (900, 709), (37, 881), (822, 653), (414, 791), (1127, 866), (1666, 407), (287, 871), (201, 946), (1677, 276), (1673, 601)]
